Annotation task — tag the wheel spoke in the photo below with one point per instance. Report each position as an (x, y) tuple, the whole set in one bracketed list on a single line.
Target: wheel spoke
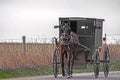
[(106, 59), (55, 66), (96, 64)]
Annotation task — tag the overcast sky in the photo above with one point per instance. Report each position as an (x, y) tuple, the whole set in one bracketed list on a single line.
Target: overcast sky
[(37, 17)]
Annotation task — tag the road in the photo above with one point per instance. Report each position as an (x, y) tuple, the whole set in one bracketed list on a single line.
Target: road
[(81, 76)]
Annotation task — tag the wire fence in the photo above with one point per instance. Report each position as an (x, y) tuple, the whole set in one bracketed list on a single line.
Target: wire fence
[(25, 52), (28, 40), (35, 52), (113, 39)]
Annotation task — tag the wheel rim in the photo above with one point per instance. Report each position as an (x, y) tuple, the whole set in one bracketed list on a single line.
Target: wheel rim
[(96, 70), (55, 67), (96, 64), (106, 69), (106, 62)]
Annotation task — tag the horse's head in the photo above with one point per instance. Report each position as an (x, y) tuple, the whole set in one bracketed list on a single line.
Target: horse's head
[(65, 36), (66, 28)]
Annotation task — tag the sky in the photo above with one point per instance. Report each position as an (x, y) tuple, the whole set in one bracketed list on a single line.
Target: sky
[(37, 17)]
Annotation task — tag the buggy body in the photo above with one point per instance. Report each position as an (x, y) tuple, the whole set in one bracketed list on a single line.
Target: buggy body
[(89, 32)]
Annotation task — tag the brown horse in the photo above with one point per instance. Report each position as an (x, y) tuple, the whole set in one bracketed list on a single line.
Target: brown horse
[(66, 46)]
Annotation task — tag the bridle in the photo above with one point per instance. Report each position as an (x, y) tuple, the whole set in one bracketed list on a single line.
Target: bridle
[(65, 39)]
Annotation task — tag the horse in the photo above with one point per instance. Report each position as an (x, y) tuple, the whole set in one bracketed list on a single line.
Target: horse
[(66, 46)]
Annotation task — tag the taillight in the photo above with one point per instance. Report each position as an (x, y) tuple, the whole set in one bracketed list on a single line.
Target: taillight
[(104, 38)]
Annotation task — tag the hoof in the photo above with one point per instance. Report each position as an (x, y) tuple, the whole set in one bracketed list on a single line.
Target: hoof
[(71, 75), (68, 77), (63, 74)]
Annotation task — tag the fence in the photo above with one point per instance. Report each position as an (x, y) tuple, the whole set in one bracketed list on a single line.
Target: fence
[(25, 52), (113, 42), (33, 52), (113, 39)]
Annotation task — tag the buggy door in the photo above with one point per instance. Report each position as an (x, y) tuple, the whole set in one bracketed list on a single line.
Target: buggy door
[(85, 30)]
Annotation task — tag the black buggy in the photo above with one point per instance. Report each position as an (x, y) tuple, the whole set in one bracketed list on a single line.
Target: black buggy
[(89, 31)]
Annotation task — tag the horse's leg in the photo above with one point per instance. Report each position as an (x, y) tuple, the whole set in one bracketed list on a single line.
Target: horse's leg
[(68, 65), (62, 64), (72, 63)]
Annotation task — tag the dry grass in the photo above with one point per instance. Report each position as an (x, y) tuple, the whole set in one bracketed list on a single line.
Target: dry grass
[(11, 55), (114, 50)]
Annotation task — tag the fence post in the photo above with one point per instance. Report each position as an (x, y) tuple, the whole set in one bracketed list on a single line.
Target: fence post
[(24, 44)]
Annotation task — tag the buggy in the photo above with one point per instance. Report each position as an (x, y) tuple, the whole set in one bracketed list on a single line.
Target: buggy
[(89, 31)]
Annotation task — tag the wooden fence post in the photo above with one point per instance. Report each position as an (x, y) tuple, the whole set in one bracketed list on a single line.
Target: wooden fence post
[(24, 44)]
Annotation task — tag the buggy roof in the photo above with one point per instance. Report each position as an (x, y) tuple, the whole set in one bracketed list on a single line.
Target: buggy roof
[(78, 18)]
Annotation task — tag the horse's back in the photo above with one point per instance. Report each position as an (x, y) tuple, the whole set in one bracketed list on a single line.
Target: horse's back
[(75, 37)]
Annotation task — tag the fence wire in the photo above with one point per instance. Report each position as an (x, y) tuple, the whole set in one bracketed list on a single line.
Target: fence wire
[(113, 39), (39, 52)]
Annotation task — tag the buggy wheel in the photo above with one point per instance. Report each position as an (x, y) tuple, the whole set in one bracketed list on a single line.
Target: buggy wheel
[(106, 69), (106, 60), (96, 70), (55, 63), (96, 64)]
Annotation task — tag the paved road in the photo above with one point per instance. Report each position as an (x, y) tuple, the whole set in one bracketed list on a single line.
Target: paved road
[(81, 76)]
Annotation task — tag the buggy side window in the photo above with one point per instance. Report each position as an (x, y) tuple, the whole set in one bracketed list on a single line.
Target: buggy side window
[(84, 27), (85, 30)]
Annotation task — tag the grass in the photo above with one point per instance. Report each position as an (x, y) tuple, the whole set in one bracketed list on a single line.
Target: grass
[(115, 66), (40, 71), (25, 72), (37, 54), (12, 60), (12, 57)]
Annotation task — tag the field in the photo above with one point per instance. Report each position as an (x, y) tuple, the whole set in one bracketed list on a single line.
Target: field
[(36, 55), (114, 50), (37, 60), (12, 56)]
